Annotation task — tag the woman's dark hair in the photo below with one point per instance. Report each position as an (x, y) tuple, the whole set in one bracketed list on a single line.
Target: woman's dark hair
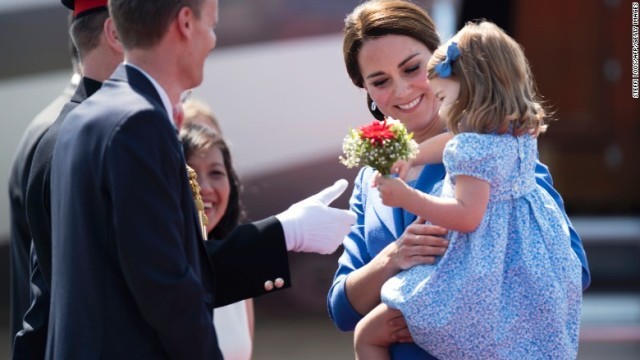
[(196, 137), (376, 18)]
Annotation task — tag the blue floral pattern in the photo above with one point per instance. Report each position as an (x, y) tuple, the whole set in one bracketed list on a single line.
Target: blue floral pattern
[(511, 289)]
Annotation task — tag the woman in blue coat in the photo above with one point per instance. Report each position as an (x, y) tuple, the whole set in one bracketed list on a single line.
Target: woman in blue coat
[(387, 44)]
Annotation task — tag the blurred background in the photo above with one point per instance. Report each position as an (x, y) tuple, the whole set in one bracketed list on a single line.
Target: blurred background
[(278, 85)]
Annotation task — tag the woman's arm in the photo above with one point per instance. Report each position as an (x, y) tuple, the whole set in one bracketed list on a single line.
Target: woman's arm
[(462, 213), (543, 178), (419, 244), (250, 317), (356, 285)]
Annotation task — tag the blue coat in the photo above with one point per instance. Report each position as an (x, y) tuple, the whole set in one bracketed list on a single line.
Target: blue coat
[(132, 277), (378, 225)]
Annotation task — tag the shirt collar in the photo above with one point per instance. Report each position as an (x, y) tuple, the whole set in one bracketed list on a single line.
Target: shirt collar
[(163, 94)]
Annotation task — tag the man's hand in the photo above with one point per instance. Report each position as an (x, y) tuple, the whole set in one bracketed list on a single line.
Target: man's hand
[(312, 226)]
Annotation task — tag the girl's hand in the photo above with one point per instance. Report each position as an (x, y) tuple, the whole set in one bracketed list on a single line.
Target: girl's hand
[(420, 244), (393, 191), (402, 167)]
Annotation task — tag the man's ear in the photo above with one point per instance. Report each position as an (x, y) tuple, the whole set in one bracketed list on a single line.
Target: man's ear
[(185, 21), (112, 37)]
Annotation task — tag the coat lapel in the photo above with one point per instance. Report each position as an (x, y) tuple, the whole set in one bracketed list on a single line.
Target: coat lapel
[(390, 217), (396, 220)]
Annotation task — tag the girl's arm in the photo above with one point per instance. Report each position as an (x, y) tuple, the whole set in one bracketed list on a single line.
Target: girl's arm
[(462, 213), (431, 149), (429, 152)]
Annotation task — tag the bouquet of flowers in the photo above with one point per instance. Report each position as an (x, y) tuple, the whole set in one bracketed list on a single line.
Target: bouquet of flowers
[(379, 145)]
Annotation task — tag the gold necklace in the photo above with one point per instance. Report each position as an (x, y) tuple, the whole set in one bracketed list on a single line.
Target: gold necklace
[(197, 198)]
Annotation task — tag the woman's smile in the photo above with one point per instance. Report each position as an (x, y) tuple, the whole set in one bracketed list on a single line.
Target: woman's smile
[(412, 104)]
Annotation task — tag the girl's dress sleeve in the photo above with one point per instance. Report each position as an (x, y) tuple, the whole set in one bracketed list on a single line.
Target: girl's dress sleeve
[(471, 154)]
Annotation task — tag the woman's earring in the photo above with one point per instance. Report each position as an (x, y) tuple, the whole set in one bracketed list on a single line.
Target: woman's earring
[(373, 107)]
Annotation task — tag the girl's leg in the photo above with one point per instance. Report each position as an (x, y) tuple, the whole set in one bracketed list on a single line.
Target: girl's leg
[(374, 334)]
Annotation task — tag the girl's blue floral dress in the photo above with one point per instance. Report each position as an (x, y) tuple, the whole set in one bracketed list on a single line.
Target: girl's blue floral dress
[(511, 289)]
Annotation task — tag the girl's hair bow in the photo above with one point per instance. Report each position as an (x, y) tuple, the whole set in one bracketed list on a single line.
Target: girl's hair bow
[(444, 68)]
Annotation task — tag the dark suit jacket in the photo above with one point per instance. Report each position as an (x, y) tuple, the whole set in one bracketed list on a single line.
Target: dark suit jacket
[(131, 277), (20, 235), (31, 341)]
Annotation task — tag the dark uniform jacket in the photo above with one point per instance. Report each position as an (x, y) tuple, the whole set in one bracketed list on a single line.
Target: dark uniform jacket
[(20, 236), (31, 341)]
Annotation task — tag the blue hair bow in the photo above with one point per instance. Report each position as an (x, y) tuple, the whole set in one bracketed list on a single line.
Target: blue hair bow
[(444, 68)]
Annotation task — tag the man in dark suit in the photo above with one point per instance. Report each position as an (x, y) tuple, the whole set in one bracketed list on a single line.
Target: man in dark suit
[(132, 277), (20, 235), (95, 37)]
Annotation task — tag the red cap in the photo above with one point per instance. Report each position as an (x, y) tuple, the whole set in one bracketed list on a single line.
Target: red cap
[(82, 7)]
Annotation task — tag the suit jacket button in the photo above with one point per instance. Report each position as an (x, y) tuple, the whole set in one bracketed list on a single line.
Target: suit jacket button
[(279, 282), (268, 285)]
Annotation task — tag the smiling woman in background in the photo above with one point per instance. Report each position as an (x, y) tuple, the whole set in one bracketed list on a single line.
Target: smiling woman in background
[(208, 155)]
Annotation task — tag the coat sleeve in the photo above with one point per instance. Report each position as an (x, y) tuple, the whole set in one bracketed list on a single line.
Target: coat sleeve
[(249, 257), (144, 185), (355, 256), (543, 178)]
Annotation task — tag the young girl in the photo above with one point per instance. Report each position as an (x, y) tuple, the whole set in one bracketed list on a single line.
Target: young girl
[(509, 286)]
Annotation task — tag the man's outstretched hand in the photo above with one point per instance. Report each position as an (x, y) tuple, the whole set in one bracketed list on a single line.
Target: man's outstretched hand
[(311, 225)]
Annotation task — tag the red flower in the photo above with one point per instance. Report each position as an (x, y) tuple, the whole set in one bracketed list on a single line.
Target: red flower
[(376, 132)]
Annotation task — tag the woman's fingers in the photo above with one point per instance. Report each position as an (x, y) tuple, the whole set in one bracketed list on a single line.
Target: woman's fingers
[(420, 244), (426, 229), (419, 260), (426, 240)]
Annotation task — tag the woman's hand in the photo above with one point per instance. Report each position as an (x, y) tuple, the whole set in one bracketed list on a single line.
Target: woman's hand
[(419, 244)]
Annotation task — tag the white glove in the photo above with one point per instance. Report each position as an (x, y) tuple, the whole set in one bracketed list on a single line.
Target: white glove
[(312, 226)]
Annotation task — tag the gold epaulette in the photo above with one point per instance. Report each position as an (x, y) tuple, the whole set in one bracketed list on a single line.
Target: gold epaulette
[(197, 198)]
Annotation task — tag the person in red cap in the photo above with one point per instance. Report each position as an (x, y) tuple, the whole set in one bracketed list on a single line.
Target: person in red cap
[(132, 275), (100, 52)]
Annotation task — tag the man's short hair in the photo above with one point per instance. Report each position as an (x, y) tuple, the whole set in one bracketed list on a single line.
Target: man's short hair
[(142, 23), (86, 30)]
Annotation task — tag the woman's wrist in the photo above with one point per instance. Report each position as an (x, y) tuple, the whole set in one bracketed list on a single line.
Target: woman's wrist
[(385, 262)]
